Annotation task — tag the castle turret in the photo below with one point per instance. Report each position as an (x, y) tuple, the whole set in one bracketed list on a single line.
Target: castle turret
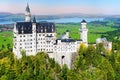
[(27, 14), (16, 42), (34, 36), (15, 29), (84, 31), (67, 34)]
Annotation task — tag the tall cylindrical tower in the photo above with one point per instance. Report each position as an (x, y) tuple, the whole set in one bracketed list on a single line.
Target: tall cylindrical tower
[(84, 31)]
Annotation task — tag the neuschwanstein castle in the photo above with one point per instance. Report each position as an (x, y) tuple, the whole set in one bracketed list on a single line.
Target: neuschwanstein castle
[(34, 37)]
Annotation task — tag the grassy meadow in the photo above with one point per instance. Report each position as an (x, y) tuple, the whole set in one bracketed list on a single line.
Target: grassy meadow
[(94, 31), (6, 38)]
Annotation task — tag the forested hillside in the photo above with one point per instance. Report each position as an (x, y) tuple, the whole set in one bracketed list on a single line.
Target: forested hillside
[(90, 64)]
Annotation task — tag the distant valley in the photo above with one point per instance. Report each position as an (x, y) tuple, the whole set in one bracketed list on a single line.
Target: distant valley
[(10, 17)]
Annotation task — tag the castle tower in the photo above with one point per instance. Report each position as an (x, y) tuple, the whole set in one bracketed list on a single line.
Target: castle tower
[(67, 34), (84, 31), (34, 33), (27, 14), (15, 29), (16, 43)]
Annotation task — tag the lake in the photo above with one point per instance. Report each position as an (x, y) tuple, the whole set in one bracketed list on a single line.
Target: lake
[(61, 20)]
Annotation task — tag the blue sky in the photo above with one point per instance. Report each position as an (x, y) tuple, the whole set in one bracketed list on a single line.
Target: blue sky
[(62, 6)]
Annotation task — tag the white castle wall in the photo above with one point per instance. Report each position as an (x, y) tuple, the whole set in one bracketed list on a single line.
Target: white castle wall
[(46, 42)]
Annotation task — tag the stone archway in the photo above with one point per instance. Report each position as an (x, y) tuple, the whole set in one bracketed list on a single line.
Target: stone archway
[(62, 60)]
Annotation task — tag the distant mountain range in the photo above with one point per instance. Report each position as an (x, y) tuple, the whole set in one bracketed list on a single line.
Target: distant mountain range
[(6, 16)]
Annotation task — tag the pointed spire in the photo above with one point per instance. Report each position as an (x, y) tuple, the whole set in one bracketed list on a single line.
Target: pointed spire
[(34, 20), (83, 21), (27, 14), (27, 8)]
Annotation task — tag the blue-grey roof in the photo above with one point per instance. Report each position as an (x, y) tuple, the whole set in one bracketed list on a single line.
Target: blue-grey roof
[(26, 27), (34, 20), (49, 36), (83, 21), (67, 40)]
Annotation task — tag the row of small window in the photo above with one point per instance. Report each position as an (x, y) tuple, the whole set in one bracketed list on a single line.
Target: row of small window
[(32, 39), (26, 43), (25, 35), (25, 40), (37, 46), (41, 38), (29, 47), (44, 35), (45, 46), (37, 35), (26, 47), (40, 50), (44, 49), (43, 42), (40, 42), (34, 43)]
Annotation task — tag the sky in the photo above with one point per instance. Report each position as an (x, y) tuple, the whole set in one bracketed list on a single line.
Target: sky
[(46, 7)]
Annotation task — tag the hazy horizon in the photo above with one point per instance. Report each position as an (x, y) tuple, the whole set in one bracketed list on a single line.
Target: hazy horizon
[(53, 7)]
